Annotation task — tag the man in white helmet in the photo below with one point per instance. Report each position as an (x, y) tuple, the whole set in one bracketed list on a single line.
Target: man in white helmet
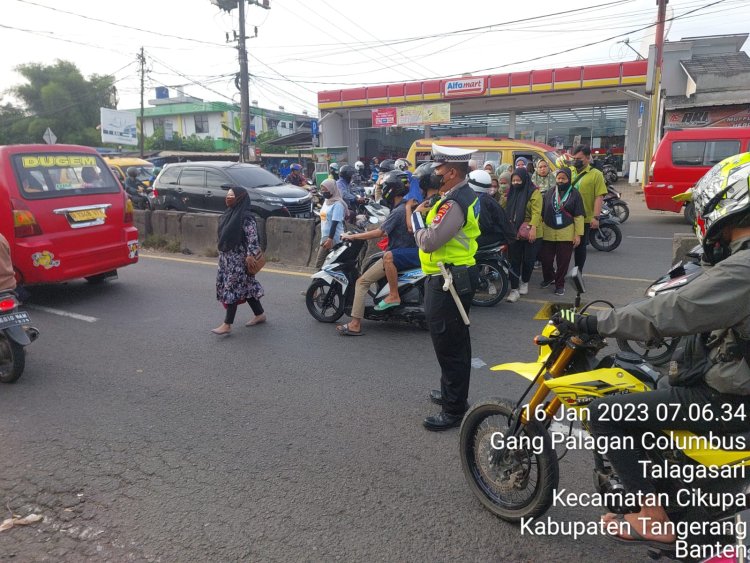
[(493, 222)]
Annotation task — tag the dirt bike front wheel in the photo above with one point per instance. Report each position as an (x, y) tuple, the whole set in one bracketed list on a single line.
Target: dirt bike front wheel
[(511, 481)]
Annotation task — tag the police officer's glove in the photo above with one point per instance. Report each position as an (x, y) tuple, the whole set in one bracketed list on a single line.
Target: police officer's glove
[(569, 319)]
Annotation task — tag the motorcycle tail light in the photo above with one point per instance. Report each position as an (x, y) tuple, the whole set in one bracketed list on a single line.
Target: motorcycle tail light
[(24, 222), (7, 304)]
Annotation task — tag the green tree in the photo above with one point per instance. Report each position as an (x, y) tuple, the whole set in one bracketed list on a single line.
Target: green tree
[(262, 140), (58, 96)]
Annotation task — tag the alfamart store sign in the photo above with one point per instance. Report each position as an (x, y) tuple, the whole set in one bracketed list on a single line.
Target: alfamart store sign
[(465, 87)]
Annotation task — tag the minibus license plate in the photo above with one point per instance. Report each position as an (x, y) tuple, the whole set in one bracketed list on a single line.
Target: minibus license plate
[(87, 215)]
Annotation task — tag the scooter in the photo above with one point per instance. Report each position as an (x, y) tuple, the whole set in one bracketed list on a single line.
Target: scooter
[(508, 447), (15, 333), (331, 293), (658, 351), (494, 275), (608, 236)]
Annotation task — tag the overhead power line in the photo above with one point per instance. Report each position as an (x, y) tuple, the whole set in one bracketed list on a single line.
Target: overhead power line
[(121, 25)]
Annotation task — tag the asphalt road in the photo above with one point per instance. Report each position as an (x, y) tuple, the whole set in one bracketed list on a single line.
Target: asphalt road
[(140, 436)]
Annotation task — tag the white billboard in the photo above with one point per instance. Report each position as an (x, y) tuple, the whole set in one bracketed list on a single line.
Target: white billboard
[(118, 127)]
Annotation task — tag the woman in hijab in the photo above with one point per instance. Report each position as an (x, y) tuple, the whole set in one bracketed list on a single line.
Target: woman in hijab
[(542, 178), (522, 162), (332, 215), (489, 166), (238, 243), (503, 184), (562, 213), (503, 168), (524, 209)]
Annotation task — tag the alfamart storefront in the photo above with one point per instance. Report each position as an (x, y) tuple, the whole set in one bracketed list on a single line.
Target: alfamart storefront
[(562, 107)]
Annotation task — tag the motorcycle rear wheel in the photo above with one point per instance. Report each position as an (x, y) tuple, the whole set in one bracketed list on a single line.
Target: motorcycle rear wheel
[(493, 284), (12, 360), (606, 238), (657, 352), (324, 301), (511, 483)]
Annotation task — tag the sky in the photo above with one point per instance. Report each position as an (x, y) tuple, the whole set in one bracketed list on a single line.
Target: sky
[(303, 47)]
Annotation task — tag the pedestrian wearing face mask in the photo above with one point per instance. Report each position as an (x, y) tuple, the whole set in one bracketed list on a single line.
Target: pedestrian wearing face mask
[(446, 233), (591, 185), (503, 185), (562, 213), (524, 209), (238, 244), (331, 219)]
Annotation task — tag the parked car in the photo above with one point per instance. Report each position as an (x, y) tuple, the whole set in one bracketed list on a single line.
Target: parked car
[(64, 214), (201, 187), (683, 157)]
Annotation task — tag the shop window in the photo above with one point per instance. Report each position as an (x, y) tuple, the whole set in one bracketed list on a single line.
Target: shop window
[(702, 153), (201, 123)]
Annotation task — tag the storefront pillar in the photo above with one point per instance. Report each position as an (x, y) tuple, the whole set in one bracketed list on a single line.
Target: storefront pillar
[(512, 124)]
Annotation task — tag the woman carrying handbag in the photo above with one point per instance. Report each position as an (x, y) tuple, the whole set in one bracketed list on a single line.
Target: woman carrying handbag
[(524, 209), (239, 253)]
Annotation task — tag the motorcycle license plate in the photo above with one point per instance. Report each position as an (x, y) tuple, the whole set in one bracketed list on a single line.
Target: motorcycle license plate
[(14, 319)]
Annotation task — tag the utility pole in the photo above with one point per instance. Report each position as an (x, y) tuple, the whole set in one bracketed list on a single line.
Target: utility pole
[(655, 105), (244, 88), (142, 60)]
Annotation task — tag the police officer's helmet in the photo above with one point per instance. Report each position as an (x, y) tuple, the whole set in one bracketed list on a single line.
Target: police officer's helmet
[(395, 183), (132, 172), (347, 172), (428, 180)]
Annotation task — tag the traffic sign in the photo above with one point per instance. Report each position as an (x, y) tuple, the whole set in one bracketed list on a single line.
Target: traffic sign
[(49, 137), (314, 127)]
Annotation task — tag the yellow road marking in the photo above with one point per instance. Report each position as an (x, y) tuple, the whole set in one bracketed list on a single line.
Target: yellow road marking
[(207, 263), (603, 277), (570, 305)]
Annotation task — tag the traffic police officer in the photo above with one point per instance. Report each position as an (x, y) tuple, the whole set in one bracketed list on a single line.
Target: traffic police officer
[(448, 235)]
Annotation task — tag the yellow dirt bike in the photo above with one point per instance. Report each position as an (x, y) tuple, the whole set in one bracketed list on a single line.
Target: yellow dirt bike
[(509, 449)]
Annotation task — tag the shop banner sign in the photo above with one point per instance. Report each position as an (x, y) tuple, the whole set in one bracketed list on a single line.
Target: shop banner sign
[(424, 114), (731, 116), (118, 127), (384, 117)]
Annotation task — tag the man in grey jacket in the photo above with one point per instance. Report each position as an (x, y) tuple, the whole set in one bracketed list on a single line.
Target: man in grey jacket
[(715, 308)]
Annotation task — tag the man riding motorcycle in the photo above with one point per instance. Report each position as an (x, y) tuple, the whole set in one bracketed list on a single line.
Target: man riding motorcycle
[(715, 373), (295, 177), (136, 189), (402, 253)]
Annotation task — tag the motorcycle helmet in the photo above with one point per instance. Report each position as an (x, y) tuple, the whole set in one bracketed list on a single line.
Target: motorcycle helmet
[(359, 165), (480, 181), (132, 172), (295, 167), (722, 198), (347, 172), (428, 180), (402, 164), (395, 183), (387, 165)]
